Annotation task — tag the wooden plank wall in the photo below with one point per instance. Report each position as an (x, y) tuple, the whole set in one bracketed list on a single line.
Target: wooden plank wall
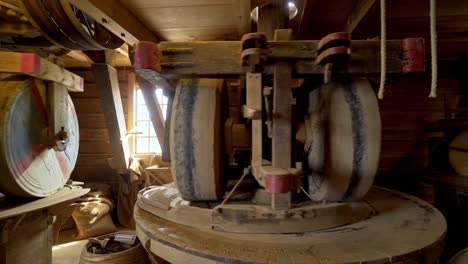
[(95, 148), (405, 112)]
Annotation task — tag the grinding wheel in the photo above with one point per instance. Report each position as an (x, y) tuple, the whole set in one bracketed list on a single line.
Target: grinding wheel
[(344, 154), (458, 153), (460, 258), (28, 167), (196, 139)]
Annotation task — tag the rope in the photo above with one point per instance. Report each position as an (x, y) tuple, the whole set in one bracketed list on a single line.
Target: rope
[(306, 193), (383, 49), (246, 172), (433, 16)]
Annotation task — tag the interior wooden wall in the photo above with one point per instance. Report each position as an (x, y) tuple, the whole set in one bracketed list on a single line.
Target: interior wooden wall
[(405, 113), (95, 148)]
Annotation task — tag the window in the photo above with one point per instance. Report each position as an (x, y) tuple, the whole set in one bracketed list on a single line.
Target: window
[(146, 140)]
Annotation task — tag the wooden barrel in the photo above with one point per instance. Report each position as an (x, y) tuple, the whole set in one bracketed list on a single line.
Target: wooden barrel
[(29, 168), (134, 255), (458, 153)]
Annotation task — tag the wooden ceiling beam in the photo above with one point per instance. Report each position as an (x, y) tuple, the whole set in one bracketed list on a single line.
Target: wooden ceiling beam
[(359, 12), (118, 19)]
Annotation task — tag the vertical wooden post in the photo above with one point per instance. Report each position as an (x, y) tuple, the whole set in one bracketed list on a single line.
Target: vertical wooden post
[(152, 104), (273, 16), (131, 107), (111, 103), (254, 101), (282, 98)]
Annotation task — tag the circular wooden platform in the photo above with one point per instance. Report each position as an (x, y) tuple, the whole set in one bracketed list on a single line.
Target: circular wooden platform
[(403, 228)]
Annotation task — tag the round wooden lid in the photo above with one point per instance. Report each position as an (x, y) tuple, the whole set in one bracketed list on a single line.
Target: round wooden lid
[(29, 167)]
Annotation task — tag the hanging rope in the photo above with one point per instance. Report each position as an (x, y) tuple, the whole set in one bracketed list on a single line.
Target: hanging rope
[(246, 172), (434, 66), (383, 50)]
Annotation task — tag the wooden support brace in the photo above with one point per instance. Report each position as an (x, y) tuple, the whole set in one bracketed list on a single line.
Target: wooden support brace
[(154, 109), (195, 59), (111, 104), (35, 66)]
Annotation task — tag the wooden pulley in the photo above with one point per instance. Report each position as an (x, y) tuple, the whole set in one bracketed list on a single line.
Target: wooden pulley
[(68, 27), (31, 164)]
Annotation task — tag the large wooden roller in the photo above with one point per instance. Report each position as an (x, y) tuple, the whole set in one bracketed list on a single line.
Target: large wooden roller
[(345, 124), (196, 139), (29, 167)]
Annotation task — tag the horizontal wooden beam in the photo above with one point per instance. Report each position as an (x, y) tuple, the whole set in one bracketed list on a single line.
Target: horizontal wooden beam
[(116, 18), (222, 58), (36, 66)]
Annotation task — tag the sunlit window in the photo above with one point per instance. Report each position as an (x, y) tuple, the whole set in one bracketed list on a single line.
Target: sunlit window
[(146, 140)]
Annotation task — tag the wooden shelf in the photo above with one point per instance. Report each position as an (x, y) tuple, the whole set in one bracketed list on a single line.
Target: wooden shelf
[(36, 66)]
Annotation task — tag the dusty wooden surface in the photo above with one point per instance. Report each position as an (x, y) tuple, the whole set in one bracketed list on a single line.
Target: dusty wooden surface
[(246, 217), (404, 228)]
